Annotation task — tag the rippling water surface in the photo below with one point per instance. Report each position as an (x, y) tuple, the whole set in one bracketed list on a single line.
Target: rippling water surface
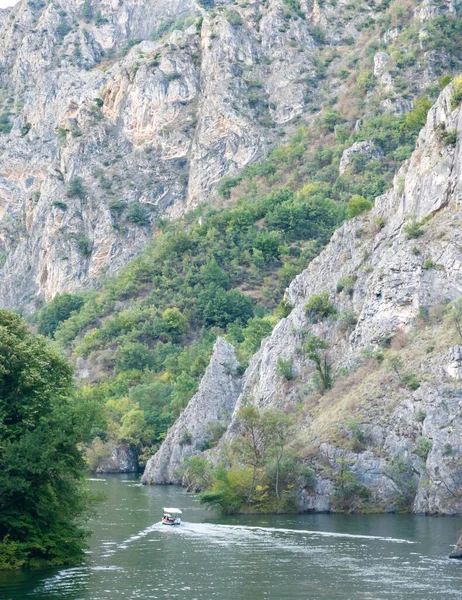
[(304, 557)]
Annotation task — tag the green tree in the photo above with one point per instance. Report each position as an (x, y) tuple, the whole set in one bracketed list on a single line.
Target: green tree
[(316, 350), (254, 478), (357, 205), (212, 273), (319, 307), (76, 188), (256, 330), (330, 119), (58, 310), (233, 489), (197, 473), (5, 124), (176, 324), (251, 449), (87, 11), (133, 355), (183, 391), (349, 494), (137, 214), (134, 429), (42, 501), (416, 118), (277, 426), (456, 97)]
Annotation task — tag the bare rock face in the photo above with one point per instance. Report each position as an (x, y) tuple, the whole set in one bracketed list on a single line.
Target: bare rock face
[(453, 366), (120, 459), (208, 413), (381, 61), (400, 106), (366, 149), (112, 124)]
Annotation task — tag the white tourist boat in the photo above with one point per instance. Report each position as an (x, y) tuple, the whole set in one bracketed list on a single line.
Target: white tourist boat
[(171, 516)]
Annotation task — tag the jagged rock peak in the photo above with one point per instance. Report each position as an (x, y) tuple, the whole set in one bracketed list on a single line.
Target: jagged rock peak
[(207, 415)]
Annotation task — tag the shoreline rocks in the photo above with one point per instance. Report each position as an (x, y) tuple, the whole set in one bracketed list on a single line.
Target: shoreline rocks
[(457, 552)]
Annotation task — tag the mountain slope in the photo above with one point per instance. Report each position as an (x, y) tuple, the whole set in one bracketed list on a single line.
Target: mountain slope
[(391, 414), (115, 115)]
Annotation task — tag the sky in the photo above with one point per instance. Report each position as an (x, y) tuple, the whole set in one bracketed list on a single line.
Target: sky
[(5, 3)]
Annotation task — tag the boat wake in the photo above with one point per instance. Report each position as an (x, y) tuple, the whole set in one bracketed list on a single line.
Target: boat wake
[(220, 533), (315, 533), (140, 535)]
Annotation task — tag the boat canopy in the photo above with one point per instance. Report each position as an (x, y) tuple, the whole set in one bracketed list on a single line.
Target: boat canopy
[(172, 511)]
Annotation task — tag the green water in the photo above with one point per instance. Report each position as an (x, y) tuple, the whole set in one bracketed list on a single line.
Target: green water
[(303, 557)]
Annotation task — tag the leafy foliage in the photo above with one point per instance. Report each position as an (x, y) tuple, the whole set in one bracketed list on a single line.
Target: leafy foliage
[(422, 447), (357, 205), (233, 18), (5, 123), (349, 494), (57, 311), (154, 325), (224, 270), (259, 470), (317, 350), (76, 188), (137, 214), (346, 284), (319, 307), (456, 97), (42, 500), (414, 229)]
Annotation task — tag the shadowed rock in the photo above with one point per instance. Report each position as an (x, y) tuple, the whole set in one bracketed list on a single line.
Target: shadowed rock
[(457, 552)]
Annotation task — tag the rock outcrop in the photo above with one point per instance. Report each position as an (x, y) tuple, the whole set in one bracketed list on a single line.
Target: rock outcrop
[(111, 124), (453, 366), (204, 420), (402, 258), (120, 459), (367, 150), (457, 552)]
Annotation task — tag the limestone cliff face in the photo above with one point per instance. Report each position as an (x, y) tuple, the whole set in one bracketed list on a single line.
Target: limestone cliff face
[(396, 277), (210, 408), (149, 127), (393, 278), (149, 122)]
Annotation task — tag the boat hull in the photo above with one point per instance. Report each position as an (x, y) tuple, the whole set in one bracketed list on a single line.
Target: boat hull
[(172, 524)]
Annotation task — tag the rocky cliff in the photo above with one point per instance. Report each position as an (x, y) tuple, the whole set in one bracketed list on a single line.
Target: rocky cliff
[(116, 113), (206, 417), (397, 275), (393, 416), (105, 130)]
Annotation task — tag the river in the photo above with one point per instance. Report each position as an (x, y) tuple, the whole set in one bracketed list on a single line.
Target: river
[(296, 557)]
